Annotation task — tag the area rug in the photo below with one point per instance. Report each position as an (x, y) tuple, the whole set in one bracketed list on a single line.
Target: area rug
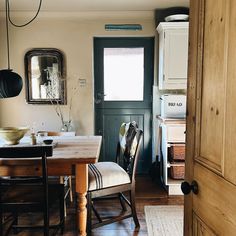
[(164, 220)]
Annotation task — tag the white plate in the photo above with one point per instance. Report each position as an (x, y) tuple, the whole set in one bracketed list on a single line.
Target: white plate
[(177, 17)]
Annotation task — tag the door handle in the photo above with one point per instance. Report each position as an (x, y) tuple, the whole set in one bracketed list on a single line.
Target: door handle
[(187, 188), (99, 131), (99, 97)]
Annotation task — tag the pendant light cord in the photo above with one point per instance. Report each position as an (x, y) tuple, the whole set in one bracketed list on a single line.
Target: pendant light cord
[(16, 25), (8, 50), (8, 19)]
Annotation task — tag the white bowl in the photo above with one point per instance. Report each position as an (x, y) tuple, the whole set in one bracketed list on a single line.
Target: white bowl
[(177, 17), (12, 135)]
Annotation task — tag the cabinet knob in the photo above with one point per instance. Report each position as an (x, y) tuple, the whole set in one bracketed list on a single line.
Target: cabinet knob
[(187, 188)]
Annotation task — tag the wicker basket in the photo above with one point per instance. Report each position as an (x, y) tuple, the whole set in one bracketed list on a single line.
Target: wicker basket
[(177, 152), (177, 171)]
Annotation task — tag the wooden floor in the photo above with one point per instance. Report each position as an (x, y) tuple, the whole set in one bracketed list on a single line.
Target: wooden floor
[(148, 192)]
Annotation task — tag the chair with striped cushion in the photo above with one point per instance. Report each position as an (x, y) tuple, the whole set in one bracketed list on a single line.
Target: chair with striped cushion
[(116, 178)]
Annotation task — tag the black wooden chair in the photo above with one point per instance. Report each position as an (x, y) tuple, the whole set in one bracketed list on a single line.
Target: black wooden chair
[(66, 180), (20, 194), (109, 178)]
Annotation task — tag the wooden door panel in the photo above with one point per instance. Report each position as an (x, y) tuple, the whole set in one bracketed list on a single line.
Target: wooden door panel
[(213, 85), (215, 203), (194, 59), (200, 229), (230, 124), (211, 125)]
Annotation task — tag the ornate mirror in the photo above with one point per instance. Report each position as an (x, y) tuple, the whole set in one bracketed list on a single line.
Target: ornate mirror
[(45, 82)]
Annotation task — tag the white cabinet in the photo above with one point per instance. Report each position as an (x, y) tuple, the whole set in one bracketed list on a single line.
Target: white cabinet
[(172, 133), (173, 55)]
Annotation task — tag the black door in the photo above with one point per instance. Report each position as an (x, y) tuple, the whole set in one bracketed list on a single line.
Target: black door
[(123, 71)]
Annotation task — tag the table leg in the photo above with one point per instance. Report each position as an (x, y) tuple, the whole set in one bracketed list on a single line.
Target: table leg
[(81, 176)]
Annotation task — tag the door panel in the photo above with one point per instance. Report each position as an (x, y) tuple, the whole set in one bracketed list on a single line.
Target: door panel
[(213, 103), (113, 121), (200, 229), (215, 203), (230, 127), (119, 100), (211, 132)]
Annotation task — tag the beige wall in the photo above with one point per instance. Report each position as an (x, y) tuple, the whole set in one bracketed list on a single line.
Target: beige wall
[(74, 37)]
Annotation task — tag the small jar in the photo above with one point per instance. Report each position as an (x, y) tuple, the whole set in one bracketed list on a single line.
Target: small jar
[(33, 139), (66, 126)]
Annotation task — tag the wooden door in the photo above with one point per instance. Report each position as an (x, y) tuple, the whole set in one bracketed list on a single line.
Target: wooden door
[(123, 65), (211, 120)]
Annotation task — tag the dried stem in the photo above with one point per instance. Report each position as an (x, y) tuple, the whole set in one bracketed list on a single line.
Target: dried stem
[(58, 110), (57, 106), (71, 101)]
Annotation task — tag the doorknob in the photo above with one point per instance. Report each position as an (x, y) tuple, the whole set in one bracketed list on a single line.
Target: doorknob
[(99, 131), (99, 97), (187, 188)]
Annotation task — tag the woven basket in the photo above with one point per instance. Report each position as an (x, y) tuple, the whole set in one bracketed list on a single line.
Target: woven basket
[(177, 153), (177, 172)]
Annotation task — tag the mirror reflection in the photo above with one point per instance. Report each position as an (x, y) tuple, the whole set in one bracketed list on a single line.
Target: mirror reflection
[(44, 76)]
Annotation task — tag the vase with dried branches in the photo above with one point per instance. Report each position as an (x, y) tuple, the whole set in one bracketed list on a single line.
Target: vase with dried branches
[(65, 123), (65, 115)]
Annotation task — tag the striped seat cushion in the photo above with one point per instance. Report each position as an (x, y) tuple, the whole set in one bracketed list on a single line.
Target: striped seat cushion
[(106, 174)]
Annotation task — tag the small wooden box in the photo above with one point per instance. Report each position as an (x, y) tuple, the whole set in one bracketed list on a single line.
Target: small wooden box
[(177, 152), (177, 171)]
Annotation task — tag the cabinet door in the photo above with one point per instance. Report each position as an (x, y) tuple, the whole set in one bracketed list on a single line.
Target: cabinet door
[(175, 58), (175, 133)]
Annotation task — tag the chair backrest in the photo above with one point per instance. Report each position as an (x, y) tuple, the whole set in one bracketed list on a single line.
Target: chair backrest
[(36, 152), (128, 148)]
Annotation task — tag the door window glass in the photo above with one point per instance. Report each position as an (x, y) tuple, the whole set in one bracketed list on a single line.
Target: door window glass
[(123, 74)]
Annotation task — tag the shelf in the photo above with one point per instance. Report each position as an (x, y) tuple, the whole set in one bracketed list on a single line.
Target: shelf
[(176, 144), (174, 186), (173, 134), (174, 181), (171, 120), (175, 164)]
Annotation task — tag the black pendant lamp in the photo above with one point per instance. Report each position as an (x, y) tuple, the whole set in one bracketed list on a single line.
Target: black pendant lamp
[(10, 82)]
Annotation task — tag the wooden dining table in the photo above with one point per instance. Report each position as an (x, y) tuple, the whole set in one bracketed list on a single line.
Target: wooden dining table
[(71, 156)]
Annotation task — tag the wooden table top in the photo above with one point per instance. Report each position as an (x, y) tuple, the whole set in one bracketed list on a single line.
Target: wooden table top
[(76, 149)]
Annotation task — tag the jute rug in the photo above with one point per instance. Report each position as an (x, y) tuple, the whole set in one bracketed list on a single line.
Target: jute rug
[(164, 220)]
